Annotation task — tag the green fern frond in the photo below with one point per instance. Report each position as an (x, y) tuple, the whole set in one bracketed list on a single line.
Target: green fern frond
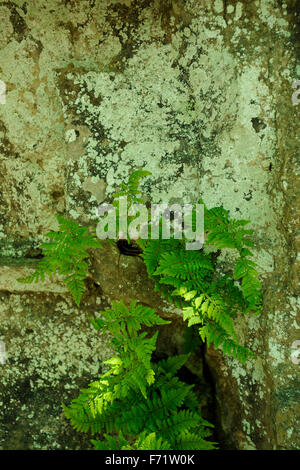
[(214, 333), (131, 188), (65, 255), (173, 268), (171, 365), (151, 442), (136, 397), (184, 265), (195, 441), (251, 287)]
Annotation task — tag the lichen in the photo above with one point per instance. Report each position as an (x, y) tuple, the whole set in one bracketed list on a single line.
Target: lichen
[(52, 351)]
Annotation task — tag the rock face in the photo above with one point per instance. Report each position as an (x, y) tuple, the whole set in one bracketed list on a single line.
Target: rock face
[(199, 93)]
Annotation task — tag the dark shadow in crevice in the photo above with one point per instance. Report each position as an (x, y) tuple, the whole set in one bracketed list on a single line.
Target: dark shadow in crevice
[(203, 388), (214, 408), (34, 253), (128, 249)]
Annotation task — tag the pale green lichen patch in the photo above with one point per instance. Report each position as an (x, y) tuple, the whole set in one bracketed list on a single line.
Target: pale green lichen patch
[(52, 352)]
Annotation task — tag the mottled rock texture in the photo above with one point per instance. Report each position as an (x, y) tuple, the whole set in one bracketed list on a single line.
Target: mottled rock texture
[(199, 93)]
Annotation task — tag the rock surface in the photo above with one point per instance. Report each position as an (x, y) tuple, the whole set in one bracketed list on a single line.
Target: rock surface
[(200, 94)]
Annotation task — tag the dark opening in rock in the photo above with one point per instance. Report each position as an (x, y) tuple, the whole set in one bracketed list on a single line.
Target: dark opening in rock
[(128, 249)]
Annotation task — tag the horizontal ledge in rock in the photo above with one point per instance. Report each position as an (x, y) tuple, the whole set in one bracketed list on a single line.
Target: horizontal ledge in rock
[(10, 274)]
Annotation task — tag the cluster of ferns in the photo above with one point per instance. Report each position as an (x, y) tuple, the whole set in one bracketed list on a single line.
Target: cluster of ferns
[(140, 404)]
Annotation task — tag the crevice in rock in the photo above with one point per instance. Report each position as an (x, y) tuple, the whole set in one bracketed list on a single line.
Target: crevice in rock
[(128, 249), (171, 341), (213, 408), (204, 387)]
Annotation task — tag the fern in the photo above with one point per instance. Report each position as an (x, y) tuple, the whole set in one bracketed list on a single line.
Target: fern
[(213, 332), (131, 188), (133, 363), (65, 254), (137, 404), (143, 442), (131, 191), (137, 397), (210, 300), (174, 269), (151, 442), (245, 270)]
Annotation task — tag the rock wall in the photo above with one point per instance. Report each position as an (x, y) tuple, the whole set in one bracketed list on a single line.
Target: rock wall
[(198, 92)]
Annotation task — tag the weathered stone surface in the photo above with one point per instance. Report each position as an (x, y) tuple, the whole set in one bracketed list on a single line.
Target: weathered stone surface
[(122, 276), (52, 352), (198, 92), (9, 276)]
